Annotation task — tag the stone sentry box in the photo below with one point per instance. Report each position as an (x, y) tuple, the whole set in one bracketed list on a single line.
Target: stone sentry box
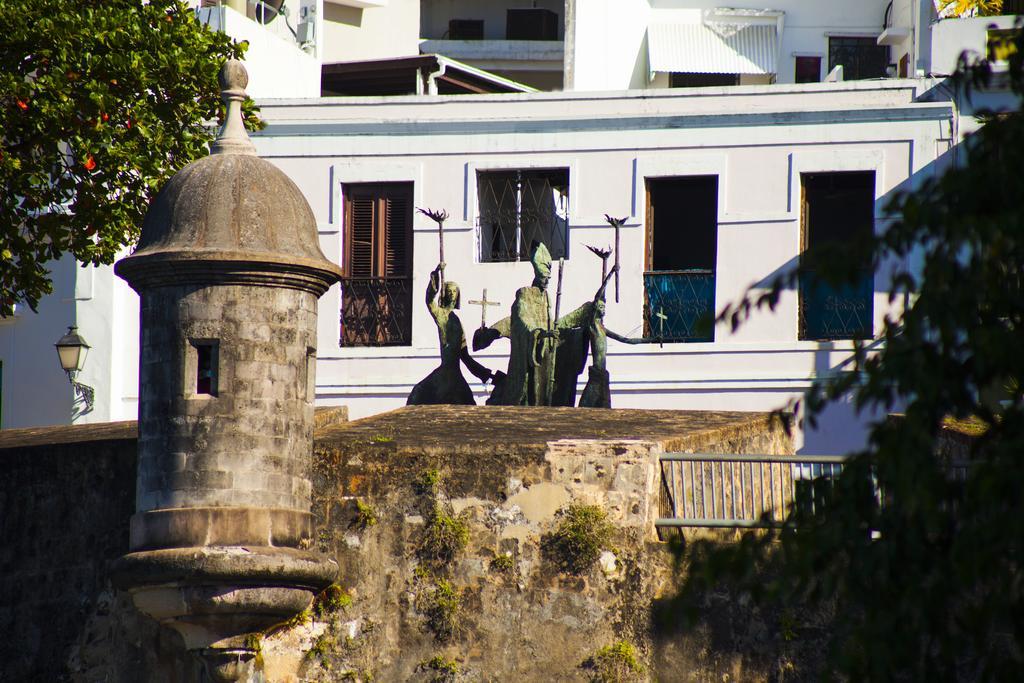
[(229, 271)]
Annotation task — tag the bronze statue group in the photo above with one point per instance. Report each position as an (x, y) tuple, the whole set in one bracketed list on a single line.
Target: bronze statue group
[(548, 351)]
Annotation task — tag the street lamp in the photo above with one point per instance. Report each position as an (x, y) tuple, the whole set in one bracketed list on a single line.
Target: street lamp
[(72, 349)]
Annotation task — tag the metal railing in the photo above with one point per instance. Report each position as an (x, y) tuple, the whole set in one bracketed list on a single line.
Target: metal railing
[(836, 312), (754, 491), (737, 491), (376, 311), (679, 305)]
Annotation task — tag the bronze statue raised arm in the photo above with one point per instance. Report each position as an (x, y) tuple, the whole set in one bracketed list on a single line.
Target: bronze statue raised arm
[(597, 392), (446, 383)]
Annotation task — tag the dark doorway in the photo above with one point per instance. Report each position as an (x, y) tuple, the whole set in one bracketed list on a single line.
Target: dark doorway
[(807, 70), (681, 253), (838, 209)]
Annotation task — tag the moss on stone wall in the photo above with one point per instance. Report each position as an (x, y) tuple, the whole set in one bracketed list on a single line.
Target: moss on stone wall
[(509, 612)]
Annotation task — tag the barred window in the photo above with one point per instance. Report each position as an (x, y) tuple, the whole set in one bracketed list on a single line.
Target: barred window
[(860, 57), (520, 207), (376, 292)]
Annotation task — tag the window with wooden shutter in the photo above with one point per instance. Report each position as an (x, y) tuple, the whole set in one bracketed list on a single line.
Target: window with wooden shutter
[(376, 302)]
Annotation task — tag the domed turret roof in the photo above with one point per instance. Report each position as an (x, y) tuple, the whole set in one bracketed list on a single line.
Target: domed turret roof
[(229, 213)]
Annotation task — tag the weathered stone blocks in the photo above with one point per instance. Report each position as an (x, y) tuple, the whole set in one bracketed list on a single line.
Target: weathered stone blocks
[(228, 276)]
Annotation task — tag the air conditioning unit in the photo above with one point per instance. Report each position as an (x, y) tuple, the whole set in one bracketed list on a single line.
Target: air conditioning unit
[(531, 24), (466, 29), (306, 33)]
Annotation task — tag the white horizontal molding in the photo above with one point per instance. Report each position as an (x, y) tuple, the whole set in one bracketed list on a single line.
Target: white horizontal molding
[(371, 171), (495, 49), (368, 171), (834, 160), (578, 124), (653, 386), (690, 163), (754, 218), (362, 4), (842, 346)]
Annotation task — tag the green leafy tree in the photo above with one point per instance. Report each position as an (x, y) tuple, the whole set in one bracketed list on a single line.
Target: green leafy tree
[(920, 569), (100, 103), (969, 8)]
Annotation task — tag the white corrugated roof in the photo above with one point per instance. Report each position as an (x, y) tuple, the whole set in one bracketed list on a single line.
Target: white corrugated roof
[(697, 48)]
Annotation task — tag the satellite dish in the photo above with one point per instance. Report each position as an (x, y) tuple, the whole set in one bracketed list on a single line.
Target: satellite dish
[(268, 10)]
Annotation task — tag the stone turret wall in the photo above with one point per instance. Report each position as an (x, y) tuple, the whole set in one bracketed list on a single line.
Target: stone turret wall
[(248, 444)]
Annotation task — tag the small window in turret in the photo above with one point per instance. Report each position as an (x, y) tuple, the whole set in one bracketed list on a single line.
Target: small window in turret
[(206, 367)]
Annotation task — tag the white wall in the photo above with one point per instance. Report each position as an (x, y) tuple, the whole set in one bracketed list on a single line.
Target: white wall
[(952, 36), (609, 45), (610, 35), (276, 65), (913, 17), (35, 390), (356, 33), (434, 14), (756, 139)]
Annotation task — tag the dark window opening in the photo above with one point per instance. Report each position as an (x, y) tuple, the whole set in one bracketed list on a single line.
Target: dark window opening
[(206, 367), (466, 29), (1012, 7), (692, 80), (838, 209), (376, 292), (808, 70), (520, 207), (531, 24), (681, 256), (1002, 43), (860, 57)]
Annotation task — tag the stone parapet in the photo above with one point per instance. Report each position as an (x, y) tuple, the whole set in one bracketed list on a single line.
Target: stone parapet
[(508, 474)]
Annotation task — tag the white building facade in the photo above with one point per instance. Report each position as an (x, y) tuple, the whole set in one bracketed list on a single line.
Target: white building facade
[(744, 159), (740, 154)]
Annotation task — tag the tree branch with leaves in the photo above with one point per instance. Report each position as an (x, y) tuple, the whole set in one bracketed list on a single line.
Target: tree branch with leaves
[(100, 103), (919, 566)]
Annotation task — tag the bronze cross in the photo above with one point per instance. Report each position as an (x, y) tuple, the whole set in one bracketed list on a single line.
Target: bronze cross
[(660, 315), (483, 303)]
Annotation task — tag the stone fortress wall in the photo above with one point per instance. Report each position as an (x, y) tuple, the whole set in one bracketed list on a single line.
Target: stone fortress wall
[(505, 473)]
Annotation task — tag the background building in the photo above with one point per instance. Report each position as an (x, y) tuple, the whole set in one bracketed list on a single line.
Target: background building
[(720, 191), (734, 158)]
